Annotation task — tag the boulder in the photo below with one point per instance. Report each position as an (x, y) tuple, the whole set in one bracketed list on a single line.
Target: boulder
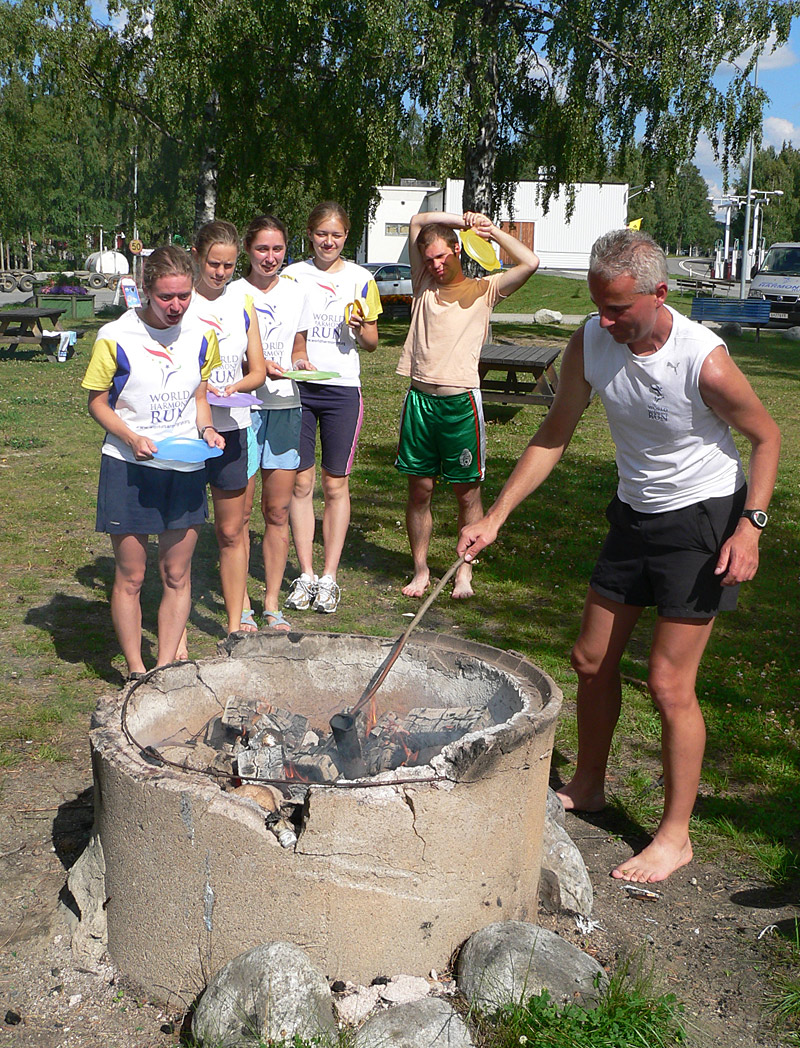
[(269, 993), (512, 961), (430, 1023), (791, 334), (548, 316), (730, 329)]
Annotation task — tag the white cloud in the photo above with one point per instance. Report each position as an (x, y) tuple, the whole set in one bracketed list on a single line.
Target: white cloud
[(771, 58), (776, 131)]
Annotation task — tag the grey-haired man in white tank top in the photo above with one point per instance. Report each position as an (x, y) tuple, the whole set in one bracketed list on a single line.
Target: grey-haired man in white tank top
[(684, 524)]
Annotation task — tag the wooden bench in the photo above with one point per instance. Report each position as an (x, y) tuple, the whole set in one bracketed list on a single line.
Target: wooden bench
[(752, 312), (26, 326), (535, 361)]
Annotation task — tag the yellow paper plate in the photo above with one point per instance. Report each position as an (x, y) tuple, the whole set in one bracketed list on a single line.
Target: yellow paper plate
[(478, 249)]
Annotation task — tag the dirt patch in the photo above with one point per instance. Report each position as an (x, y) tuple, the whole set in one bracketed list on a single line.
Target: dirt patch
[(704, 935)]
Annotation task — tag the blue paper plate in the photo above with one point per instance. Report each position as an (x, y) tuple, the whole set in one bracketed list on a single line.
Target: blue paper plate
[(185, 449)]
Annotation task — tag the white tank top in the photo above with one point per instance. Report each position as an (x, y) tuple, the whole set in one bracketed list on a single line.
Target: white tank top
[(672, 450)]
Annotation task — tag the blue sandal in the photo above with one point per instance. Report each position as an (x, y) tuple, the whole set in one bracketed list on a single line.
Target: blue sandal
[(279, 622), (249, 619)]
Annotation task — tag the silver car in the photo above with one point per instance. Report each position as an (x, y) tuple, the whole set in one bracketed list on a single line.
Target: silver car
[(394, 285)]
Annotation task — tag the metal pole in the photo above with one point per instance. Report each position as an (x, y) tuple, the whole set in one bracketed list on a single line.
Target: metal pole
[(746, 245)]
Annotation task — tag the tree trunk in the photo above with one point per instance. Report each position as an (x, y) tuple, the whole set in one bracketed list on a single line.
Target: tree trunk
[(205, 205), (29, 245), (480, 157)]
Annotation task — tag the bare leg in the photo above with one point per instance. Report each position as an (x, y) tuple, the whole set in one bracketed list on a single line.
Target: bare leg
[(249, 496), (678, 646), (229, 526), (301, 516), (470, 510), (175, 549), (335, 519), (130, 554), (419, 525), (605, 628), (276, 496)]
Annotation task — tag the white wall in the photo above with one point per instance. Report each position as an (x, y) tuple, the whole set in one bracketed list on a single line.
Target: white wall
[(395, 207), (560, 244)]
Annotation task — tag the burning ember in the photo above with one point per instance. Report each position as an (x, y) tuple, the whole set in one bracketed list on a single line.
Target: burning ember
[(271, 755)]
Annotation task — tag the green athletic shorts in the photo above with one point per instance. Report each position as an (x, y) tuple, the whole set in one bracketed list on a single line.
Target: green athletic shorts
[(442, 435)]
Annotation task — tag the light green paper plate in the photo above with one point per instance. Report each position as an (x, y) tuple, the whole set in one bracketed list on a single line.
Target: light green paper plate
[(310, 376)]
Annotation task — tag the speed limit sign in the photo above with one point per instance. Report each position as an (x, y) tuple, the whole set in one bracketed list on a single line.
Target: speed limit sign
[(135, 247)]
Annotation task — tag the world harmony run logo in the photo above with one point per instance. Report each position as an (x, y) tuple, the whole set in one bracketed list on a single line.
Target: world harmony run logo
[(217, 327), (267, 321), (164, 361), (332, 293)]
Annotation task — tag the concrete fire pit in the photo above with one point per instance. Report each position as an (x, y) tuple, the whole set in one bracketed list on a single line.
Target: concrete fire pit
[(383, 878)]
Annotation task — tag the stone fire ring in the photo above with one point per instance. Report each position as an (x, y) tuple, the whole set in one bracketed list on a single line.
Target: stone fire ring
[(383, 879)]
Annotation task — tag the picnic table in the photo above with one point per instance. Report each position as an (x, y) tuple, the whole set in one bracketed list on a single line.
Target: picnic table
[(538, 362), (27, 326)]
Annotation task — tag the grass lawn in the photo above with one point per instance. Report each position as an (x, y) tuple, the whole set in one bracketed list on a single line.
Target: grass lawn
[(58, 652)]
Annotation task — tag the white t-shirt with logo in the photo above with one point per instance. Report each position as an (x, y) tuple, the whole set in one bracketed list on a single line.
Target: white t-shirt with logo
[(230, 317), (280, 312), (331, 343), (151, 375)]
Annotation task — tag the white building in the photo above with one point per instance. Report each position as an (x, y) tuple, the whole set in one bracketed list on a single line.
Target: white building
[(560, 243)]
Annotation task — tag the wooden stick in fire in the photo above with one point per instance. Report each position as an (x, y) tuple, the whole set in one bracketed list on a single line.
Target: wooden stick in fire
[(401, 642)]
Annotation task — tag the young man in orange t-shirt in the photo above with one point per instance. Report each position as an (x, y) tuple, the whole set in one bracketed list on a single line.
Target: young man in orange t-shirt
[(441, 427)]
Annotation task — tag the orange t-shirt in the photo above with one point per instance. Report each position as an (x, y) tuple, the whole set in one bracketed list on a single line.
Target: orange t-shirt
[(449, 325)]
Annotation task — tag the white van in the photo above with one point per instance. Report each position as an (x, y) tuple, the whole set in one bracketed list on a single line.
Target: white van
[(778, 281)]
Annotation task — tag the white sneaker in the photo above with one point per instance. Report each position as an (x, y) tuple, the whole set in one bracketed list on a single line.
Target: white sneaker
[(328, 594), (302, 592)]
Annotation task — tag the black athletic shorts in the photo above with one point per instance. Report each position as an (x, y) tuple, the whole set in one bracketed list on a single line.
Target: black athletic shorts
[(228, 472), (133, 499), (667, 560)]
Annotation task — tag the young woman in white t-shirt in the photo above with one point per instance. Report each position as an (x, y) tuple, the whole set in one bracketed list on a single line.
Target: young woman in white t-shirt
[(147, 382), (241, 370), (282, 317), (335, 336)]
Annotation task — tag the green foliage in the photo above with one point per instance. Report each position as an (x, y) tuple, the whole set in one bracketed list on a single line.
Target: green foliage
[(556, 88), (772, 170), (630, 1014)]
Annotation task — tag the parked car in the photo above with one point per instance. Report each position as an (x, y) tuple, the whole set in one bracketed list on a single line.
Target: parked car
[(394, 286)]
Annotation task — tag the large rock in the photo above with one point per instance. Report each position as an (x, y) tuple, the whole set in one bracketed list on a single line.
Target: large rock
[(791, 334), (548, 316), (564, 883), (730, 329), (430, 1023), (271, 992), (512, 961), (86, 881)]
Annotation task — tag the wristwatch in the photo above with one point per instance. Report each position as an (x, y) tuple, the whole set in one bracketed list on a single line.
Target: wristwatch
[(757, 517)]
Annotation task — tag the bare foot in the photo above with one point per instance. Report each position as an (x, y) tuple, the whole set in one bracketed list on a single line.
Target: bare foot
[(275, 621), (418, 585), (655, 862), (576, 798), (462, 587)]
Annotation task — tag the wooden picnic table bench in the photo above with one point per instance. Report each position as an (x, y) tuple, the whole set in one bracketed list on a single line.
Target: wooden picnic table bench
[(753, 312), (27, 326), (535, 361)]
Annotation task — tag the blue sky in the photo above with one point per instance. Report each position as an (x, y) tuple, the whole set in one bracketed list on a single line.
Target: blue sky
[(779, 76)]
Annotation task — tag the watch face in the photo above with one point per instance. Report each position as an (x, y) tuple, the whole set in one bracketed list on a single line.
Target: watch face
[(758, 517)]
